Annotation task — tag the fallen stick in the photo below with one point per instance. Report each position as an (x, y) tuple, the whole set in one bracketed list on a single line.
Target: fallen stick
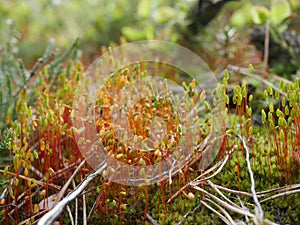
[(51, 216)]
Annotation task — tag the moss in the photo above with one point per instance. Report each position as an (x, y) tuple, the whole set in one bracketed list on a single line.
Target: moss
[(274, 156)]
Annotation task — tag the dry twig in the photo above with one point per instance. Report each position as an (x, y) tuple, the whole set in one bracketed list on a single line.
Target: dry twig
[(76, 203), (281, 195), (223, 218), (65, 187), (49, 217), (84, 210), (150, 218), (267, 45), (188, 214), (70, 215), (246, 72), (257, 203), (229, 218)]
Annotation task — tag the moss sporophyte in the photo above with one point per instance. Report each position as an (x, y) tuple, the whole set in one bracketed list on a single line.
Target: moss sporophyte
[(44, 152)]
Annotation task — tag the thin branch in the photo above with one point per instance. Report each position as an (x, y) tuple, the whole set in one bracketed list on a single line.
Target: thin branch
[(267, 45), (215, 188), (215, 211), (261, 213), (37, 172), (49, 217), (225, 204), (92, 209), (65, 187), (244, 207), (150, 218), (76, 204), (215, 173), (41, 61), (234, 191), (223, 211), (21, 203), (276, 77), (84, 210), (70, 215), (196, 181), (170, 173), (233, 208), (281, 195), (219, 165), (188, 214), (280, 189), (57, 187), (255, 76), (27, 221)]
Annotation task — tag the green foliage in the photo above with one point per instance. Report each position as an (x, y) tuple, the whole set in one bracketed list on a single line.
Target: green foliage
[(15, 79), (277, 12), (274, 147), (41, 137), (96, 23), (275, 17), (33, 117)]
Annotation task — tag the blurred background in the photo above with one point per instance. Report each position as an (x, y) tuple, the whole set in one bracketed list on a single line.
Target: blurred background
[(95, 22), (215, 30)]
